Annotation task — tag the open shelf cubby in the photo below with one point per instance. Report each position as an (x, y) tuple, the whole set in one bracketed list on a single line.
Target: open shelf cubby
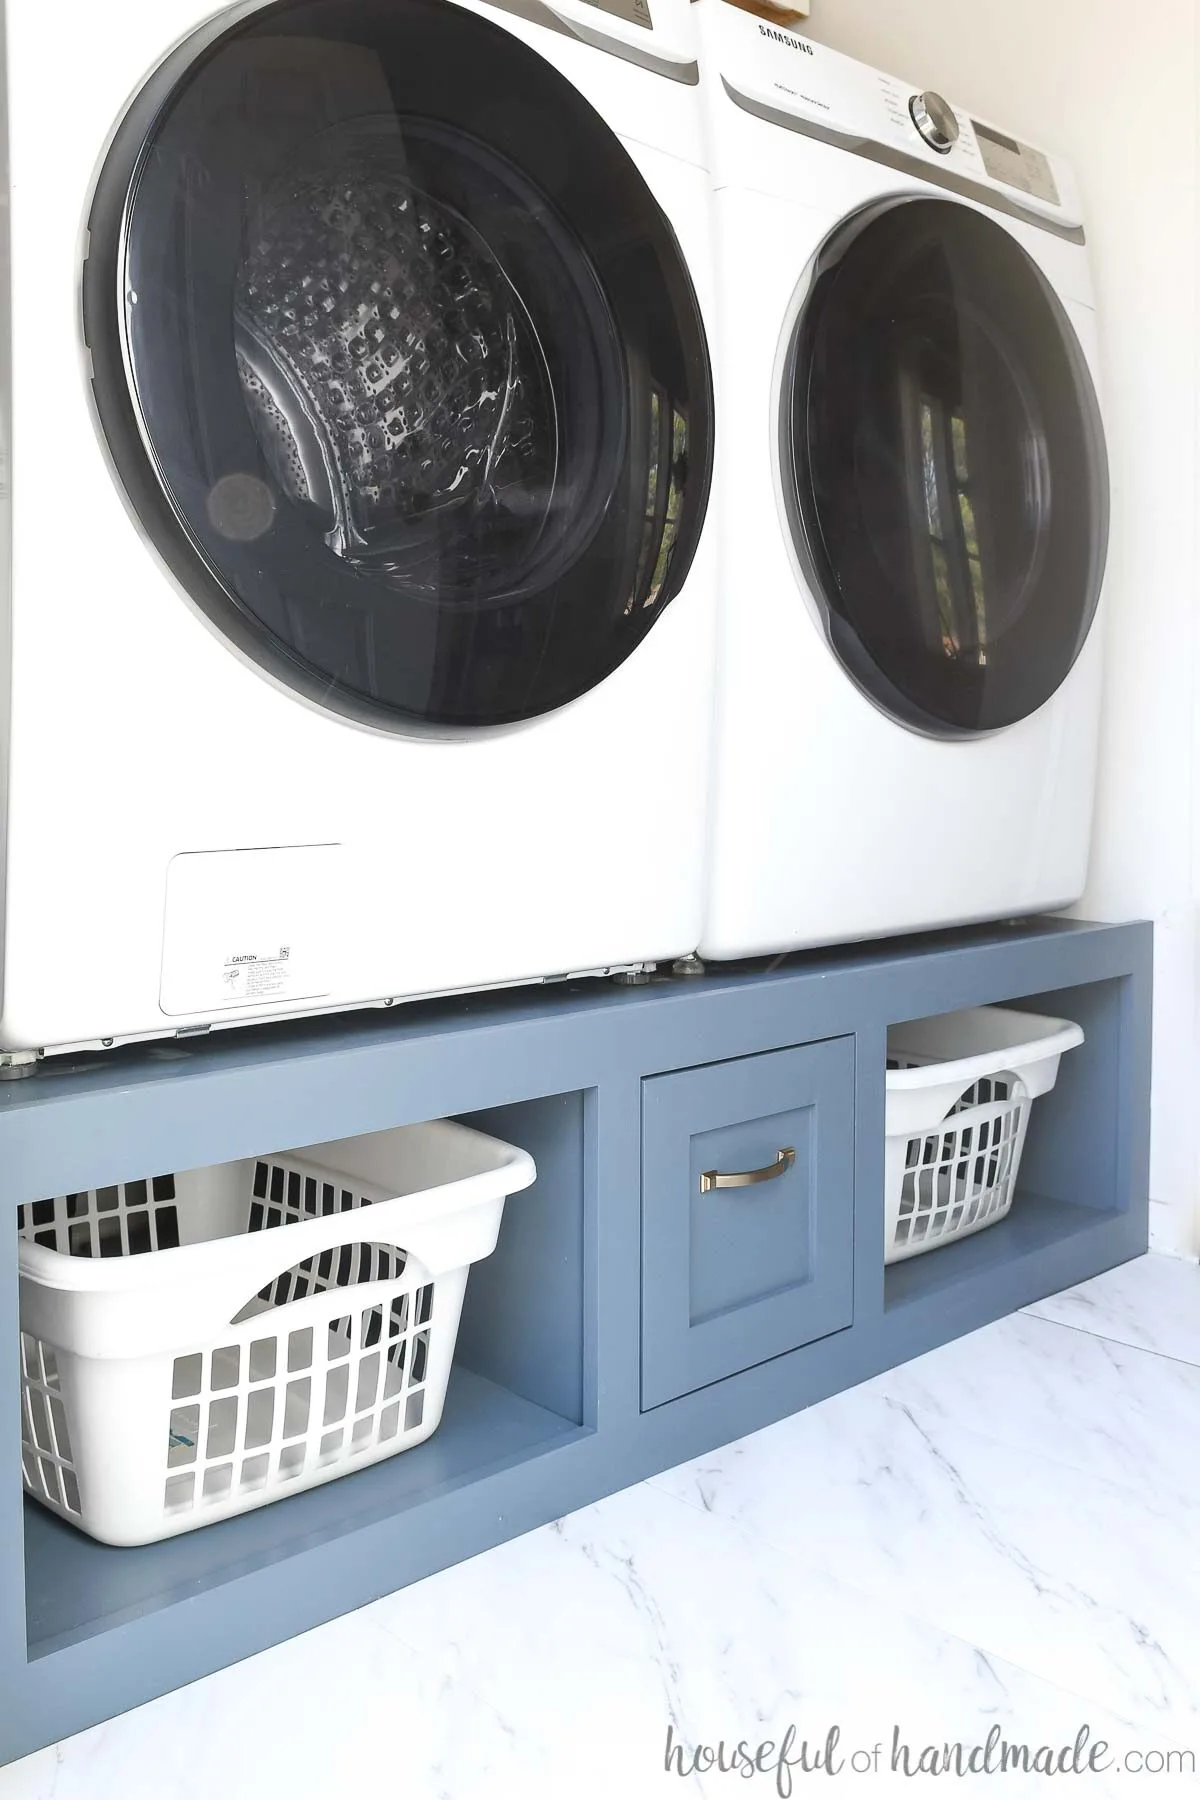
[(1070, 1175), (517, 1390)]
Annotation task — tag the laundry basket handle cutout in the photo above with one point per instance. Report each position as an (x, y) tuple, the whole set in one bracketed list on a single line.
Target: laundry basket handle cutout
[(353, 1264)]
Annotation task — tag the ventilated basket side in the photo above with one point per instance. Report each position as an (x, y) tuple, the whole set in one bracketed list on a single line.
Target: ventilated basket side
[(48, 1466), (91, 1437), (107, 1422), (959, 1176), (285, 1401), (959, 1091), (329, 1350)]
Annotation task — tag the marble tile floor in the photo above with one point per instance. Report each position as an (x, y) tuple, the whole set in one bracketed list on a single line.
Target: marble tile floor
[(1001, 1536)]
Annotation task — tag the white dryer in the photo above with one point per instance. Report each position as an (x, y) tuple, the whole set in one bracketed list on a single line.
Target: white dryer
[(913, 506), (362, 596)]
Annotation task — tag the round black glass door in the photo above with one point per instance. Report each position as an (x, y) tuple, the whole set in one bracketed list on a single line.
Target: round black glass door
[(399, 360), (944, 467)]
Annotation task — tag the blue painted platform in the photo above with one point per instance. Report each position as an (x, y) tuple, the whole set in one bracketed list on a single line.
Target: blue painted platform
[(587, 1360)]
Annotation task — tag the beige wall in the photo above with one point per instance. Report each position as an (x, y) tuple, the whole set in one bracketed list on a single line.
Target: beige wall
[(1114, 88)]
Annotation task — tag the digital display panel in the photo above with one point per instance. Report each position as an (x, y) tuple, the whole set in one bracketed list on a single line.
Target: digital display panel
[(1015, 164), (996, 137)]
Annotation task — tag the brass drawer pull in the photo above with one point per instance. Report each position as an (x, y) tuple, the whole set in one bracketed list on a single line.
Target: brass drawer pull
[(712, 1178)]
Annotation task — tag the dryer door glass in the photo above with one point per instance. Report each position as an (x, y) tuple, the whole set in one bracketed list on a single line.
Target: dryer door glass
[(399, 360), (943, 467)]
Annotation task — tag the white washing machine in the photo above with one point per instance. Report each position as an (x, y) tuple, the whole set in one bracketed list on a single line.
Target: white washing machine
[(362, 594), (913, 506)]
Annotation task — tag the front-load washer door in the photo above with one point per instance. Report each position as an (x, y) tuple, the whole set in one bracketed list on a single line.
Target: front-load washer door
[(942, 467), (398, 359)]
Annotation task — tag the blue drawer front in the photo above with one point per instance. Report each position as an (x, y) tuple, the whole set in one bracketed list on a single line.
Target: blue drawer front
[(733, 1275)]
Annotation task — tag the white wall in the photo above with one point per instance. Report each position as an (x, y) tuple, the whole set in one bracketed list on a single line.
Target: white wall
[(1114, 88)]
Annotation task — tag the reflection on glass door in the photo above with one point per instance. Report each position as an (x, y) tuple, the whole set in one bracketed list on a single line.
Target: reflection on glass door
[(944, 467), (415, 399)]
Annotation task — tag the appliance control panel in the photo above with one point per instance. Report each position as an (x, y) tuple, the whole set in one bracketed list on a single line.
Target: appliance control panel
[(778, 71)]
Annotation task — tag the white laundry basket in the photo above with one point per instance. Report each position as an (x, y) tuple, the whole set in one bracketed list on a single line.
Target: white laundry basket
[(959, 1090), (198, 1344)]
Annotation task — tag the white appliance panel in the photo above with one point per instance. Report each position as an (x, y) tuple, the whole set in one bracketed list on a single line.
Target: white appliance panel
[(140, 738), (832, 821)]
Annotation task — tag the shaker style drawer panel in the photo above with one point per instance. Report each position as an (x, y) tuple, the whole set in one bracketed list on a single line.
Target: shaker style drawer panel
[(747, 1213)]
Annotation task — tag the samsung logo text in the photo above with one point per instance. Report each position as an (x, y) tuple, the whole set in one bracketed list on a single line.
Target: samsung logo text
[(781, 37)]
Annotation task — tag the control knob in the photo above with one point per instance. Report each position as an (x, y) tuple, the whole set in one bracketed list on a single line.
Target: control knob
[(934, 119)]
